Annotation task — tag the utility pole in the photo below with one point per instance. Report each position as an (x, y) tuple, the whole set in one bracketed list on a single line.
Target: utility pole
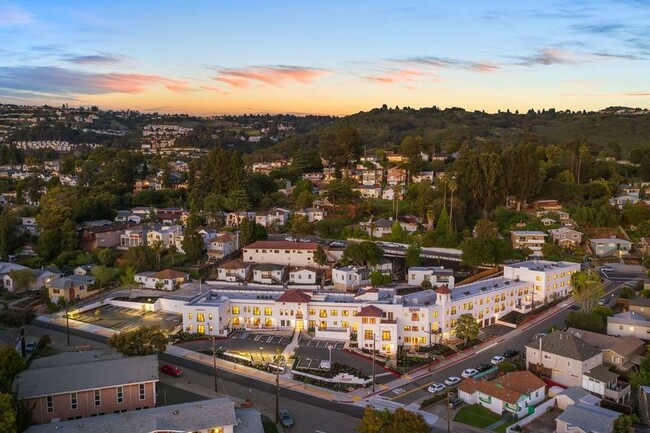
[(448, 413), (214, 363), (67, 322), (374, 345), (277, 394)]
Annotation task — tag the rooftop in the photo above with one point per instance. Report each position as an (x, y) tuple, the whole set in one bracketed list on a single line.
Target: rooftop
[(282, 245), (541, 265), (565, 344), (509, 388), (619, 345), (484, 286), (589, 418), (601, 373)]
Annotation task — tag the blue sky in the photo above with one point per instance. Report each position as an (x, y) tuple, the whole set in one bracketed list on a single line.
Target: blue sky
[(333, 57)]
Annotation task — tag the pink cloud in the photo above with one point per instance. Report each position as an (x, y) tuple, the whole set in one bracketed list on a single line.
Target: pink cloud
[(213, 89), (135, 83), (390, 77), (270, 75)]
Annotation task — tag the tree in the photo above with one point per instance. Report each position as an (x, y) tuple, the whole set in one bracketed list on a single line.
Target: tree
[(106, 257), (380, 279), (250, 232), (300, 226), (413, 255), (467, 327), (587, 321), (146, 340), (623, 424), (363, 254), (398, 421), (237, 200), (103, 274), (139, 258), (586, 288), (69, 236), (506, 367), (485, 228), (7, 414), (320, 256), (5, 234), (397, 233), (22, 279), (11, 363), (483, 250), (193, 245)]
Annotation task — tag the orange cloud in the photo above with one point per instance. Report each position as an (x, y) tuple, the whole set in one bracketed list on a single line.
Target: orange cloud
[(394, 76), (135, 83), (269, 75)]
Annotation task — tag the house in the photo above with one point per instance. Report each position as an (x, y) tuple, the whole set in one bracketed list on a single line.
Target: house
[(409, 223), (74, 385), (83, 269), (631, 190), (562, 357), (515, 393), (586, 418), (276, 216), (167, 279), (171, 215), (629, 323), (396, 157), (368, 191), (640, 306), (217, 415), (305, 275), (377, 228), (233, 271), (312, 214), (350, 277), (29, 226), (644, 245), (70, 288), (623, 200), (600, 381), (564, 216), (167, 235), (372, 177), (104, 236), (40, 278), (235, 218), (135, 236), (389, 194), (269, 273), (126, 216), (223, 245), (547, 205), (531, 239), (565, 237), (286, 253), (572, 395), (621, 352), (436, 275), (424, 176), (396, 176), (548, 221), (603, 247)]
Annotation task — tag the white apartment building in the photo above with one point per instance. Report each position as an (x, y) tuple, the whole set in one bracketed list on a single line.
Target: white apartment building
[(436, 275), (350, 277), (281, 253), (312, 214), (551, 279)]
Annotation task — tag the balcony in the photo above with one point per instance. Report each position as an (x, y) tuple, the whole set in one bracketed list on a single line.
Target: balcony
[(618, 391)]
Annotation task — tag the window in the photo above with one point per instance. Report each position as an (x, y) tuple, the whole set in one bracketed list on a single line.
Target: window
[(189, 316), (73, 401), (268, 311), (216, 430), (345, 324), (120, 394), (323, 324), (334, 313), (268, 322), (235, 309), (200, 329), (453, 310), (322, 313), (256, 311), (142, 390), (312, 311), (435, 314), (50, 404), (98, 397), (415, 317), (200, 317), (385, 335), (367, 335), (345, 313), (209, 316)]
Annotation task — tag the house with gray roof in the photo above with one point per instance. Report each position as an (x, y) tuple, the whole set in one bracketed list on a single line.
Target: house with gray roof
[(629, 323), (70, 288), (562, 357), (623, 352), (72, 386), (586, 418), (600, 381)]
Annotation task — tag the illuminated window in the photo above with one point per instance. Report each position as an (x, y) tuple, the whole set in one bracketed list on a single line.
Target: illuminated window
[(209, 316), (385, 335), (200, 329), (453, 310), (256, 311), (312, 311), (345, 313), (200, 317), (368, 334), (323, 324), (268, 322), (189, 316), (268, 311), (345, 324), (235, 310), (435, 314), (322, 313), (334, 313)]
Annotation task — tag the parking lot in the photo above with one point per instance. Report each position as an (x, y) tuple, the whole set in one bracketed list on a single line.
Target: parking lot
[(245, 341), (313, 352), (127, 319)]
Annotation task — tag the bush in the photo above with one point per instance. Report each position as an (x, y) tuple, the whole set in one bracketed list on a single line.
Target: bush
[(432, 400), (16, 318), (588, 321)]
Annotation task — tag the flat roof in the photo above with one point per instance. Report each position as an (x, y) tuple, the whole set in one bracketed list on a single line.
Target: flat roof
[(541, 265), (485, 287)]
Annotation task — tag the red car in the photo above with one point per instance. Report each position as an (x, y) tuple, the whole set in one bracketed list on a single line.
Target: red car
[(171, 370)]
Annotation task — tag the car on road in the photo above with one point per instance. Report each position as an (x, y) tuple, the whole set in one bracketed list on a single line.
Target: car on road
[(455, 402), (469, 372), (171, 370), (483, 367), (337, 244), (285, 418), (436, 387), (603, 301), (510, 353), (607, 269), (497, 359), (452, 380), (399, 391)]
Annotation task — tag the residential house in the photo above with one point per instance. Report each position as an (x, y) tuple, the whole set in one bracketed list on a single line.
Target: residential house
[(233, 271), (548, 221), (217, 415), (603, 247), (396, 157), (547, 205), (409, 223), (167, 235), (566, 237), (634, 191), (40, 278), (286, 253), (167, 279), (586, 418), (564, 216), (74, 385), (368, 191), (312, 214), (70, 288), (562, 357), (440, 157), (223, 245), (629, 323), (389, 193), (29, 226), (305, 275), (515, 393), (372, 177), (572, 395), (275, 216), (126, 216), (233, 219), (269, 273), (208, 233), (639, 306), (83, 269), (623, 200), (600, 381), (621, 352), (350, 277), (171, 215), (6, 268), (135, 236), (424, 175), (396, 176), (377, 228), (531, 239), (105, 236), (436, 275)]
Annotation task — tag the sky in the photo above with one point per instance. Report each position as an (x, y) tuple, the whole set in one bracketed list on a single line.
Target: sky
[(325, 57)]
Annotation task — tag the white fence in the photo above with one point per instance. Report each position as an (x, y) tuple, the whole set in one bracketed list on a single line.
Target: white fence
[(339, 378), (539, 411)]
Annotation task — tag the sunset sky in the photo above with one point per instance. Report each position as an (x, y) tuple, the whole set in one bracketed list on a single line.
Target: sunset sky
[(326, 57)]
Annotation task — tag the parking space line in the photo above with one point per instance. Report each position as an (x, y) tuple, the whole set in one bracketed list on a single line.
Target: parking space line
[(257, 337)]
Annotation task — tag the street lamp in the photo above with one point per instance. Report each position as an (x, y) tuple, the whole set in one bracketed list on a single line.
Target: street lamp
[(330, 347), (374, 349), (261, 355), (67, 322), (214, 363)]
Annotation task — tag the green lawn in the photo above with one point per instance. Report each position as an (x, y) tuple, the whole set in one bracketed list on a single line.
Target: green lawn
[(476, 415), (502, 428)]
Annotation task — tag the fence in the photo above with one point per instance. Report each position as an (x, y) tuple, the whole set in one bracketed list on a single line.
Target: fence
[(539, 411)]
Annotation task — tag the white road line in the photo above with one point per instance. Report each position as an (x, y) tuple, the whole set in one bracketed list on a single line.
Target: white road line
[(486, 347)]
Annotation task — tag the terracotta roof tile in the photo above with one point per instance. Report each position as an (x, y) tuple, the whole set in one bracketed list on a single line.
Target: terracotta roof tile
[(370, 311), (296, 296)]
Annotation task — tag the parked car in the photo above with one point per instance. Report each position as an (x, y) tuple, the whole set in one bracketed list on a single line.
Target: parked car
[(171, 370), (483, 367), (285, 418), (510, 353), (497, 359), (436, 387), (455, 402), (452, 380), (607, 269), (469, 372), (603, 301)]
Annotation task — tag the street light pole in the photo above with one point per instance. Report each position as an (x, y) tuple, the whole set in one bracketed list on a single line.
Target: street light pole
[(374, 349), (214, 363), (277, 394), (67, 323)]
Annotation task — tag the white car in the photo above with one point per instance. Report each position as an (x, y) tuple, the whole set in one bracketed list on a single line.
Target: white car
[(607, 269), (452, 380), (436, 387), (399, 391), (289, 238), (497, 359), (469, 372)]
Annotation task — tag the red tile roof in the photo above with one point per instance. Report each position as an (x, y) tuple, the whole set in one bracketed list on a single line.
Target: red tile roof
[(296, 296), (370, 311), (233, 264), (168, 274), (443, 290), (282, 245), (508, 388)]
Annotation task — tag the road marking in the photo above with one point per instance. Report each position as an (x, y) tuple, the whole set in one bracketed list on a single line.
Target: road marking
[(406, 376), (257, 337), (356, 398), (487, 347)]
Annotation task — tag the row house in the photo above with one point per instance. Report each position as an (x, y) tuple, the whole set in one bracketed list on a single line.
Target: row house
[(67, 386), (281, 253)]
